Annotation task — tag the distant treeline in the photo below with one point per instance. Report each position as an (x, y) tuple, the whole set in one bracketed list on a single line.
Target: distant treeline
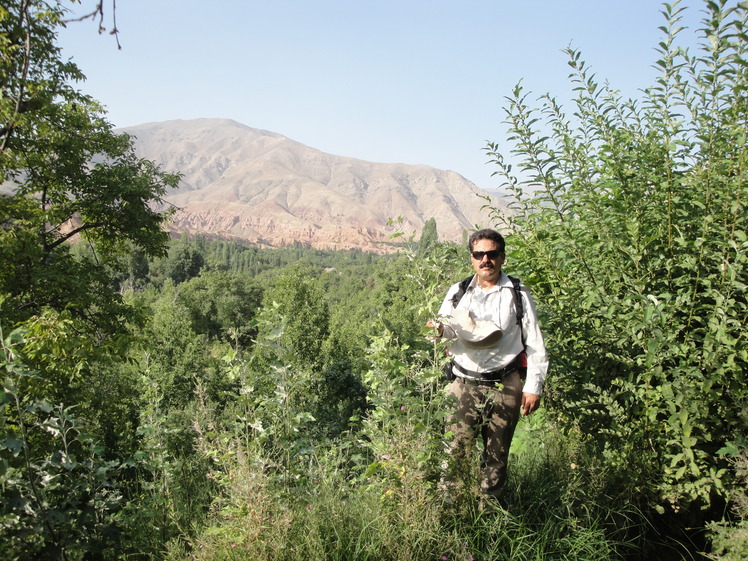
[(189, 255)]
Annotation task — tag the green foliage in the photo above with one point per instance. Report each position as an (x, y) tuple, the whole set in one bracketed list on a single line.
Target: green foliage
[(429, 237), (68, 175), (58, 495), (287, 404), (373, 495), (297, 370), (69, 411), (730, 536), (629, 222), (174, 356), (168, 490), (406, 406), (305, 317), (184, 262), (222, 305), (401, 296)]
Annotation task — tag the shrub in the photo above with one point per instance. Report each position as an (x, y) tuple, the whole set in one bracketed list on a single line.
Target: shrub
[(630, 224)]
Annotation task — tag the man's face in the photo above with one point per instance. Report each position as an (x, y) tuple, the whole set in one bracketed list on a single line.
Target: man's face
[(488, 268)]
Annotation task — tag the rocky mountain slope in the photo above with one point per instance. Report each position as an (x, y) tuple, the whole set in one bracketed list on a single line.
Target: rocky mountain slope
[(264, 188)]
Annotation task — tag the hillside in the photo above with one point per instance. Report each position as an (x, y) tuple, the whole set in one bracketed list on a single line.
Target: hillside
[(261, 187)]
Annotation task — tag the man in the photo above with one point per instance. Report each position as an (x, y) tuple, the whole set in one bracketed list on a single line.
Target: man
[(487, 349)]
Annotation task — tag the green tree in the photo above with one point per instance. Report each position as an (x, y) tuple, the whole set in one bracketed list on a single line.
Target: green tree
[(67, 175), (57, 489), (184, 262), (429, 237), (303, 310), (222, 305), (630, 223)]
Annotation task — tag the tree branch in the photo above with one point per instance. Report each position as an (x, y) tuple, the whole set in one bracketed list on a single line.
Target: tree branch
[(62, 239), (99, 11), (25, 22)]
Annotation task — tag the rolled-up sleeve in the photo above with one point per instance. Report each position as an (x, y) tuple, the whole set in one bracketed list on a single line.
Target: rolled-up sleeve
[(537, 358), (445, 311)]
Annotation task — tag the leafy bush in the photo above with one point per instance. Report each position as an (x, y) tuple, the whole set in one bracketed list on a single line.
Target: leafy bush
[(630, 224), (730, 535), (58, 491)]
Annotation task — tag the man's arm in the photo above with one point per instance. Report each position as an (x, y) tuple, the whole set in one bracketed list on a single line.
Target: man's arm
[(537, 358), (443, 329)]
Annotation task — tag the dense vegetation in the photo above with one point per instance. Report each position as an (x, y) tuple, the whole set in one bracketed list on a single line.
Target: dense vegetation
[(195, 399)]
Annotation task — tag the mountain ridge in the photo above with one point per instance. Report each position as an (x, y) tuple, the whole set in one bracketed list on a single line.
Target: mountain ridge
[(261, 187)]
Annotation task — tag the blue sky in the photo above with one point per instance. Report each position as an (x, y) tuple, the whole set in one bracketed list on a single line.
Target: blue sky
[(412, 81)]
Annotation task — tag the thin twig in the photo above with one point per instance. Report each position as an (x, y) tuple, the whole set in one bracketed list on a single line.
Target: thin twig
[(99, 11)]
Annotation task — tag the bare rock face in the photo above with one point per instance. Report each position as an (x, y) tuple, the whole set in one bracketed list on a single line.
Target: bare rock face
[(263, 188)]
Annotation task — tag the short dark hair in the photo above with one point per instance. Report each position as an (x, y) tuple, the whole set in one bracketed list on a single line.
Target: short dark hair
[(487, 234)]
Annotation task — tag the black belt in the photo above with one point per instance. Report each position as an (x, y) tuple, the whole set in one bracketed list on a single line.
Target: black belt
[(490, 378), (470, 382)]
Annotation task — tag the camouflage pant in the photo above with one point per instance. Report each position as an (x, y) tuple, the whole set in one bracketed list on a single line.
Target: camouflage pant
[(493, 411)]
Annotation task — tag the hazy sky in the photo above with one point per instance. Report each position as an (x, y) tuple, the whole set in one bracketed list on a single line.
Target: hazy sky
[(418, 82)]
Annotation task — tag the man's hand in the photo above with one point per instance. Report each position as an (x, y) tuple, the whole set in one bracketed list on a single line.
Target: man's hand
[(436, 324), (530, 402)]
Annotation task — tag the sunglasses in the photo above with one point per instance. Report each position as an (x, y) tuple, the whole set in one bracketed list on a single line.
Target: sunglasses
[(492, 254)]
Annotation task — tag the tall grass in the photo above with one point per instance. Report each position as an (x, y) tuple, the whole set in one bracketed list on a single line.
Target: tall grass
[(338, 502)]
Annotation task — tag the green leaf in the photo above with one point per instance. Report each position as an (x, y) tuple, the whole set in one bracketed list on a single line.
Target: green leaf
[(12, 444)]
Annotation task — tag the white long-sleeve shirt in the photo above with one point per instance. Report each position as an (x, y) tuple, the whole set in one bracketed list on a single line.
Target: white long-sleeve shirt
[(496, 304)]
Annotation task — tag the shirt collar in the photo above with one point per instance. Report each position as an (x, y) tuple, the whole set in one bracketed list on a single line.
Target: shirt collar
[(503, 283)]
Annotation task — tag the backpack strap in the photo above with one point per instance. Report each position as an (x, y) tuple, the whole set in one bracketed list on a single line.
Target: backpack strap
[(518, 299), (461, 289), (520, 309)]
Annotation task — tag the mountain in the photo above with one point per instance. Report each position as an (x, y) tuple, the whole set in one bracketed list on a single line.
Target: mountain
[(261, 187)]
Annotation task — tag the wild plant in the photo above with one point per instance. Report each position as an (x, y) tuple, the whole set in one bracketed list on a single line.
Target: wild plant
[(629, 222)]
